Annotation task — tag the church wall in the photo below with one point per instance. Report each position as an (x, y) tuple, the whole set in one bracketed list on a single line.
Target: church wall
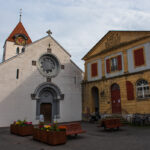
[(11, 49), (16, 93)]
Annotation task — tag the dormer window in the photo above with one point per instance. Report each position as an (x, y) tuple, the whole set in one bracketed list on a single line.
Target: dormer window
[(17, 50)]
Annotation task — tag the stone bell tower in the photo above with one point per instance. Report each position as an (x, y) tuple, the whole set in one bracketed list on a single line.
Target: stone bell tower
[(16, 41)]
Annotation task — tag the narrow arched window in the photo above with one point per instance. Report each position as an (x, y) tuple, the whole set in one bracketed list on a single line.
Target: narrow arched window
[(142, 88), (17, 74), (17, 50), (23, 49)]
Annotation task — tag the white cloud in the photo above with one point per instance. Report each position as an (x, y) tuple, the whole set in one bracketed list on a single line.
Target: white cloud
[(76, 24)]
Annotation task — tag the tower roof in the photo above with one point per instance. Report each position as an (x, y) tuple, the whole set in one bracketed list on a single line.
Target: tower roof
[(19, 29)]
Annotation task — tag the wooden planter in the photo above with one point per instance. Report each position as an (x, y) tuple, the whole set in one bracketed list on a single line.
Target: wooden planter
[(14, 129), (43, 136), (22, 131), (52, 137), (55, 138), (36, 134), (26, 130), (111, 123)]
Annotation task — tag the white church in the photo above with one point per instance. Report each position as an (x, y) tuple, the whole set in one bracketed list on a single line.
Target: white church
[(38, 78)]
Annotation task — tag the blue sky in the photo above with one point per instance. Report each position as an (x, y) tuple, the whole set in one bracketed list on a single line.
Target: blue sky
[(76, 24)]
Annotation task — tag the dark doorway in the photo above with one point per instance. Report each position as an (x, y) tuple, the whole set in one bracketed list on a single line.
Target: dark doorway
[(46, 110), (95, 94), (115, 99)]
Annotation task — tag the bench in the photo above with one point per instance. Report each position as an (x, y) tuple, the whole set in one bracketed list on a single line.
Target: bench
[(74, 129)]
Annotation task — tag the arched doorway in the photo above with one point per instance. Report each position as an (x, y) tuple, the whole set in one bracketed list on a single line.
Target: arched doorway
[(95, 95), (115, 99), (47, 96)]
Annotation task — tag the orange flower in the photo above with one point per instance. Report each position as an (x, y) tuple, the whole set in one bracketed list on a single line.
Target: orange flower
[(62, 127)]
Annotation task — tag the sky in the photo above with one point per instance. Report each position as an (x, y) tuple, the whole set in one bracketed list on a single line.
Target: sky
[(76, 24)]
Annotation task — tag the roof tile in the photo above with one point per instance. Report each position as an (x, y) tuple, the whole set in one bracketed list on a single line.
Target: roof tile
[(19, 29)]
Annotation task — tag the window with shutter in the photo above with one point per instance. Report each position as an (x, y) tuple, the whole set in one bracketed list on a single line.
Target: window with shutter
[(119, 62), (139, 57), (108, 65), (114, 64), (94, 70), (130, 90)]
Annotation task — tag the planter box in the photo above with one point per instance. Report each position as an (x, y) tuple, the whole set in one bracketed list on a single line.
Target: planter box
[(52, 138), (43, 136), (25, 131), (55, 138), (14, 129), (111, 123), (22, 131), (36, 134)]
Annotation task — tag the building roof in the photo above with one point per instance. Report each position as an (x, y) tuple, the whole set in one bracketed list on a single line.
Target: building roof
[(132, 36), (19, 29)]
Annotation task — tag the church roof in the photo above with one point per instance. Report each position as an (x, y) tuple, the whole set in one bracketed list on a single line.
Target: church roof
[(19, 29)]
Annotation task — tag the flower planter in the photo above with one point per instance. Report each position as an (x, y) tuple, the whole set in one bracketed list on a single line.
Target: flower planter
[(25, 131), (14, 129), (43, 136), (40, 135), (52, 137), (22, 131), (36, 134), (56, 137), (111, 123)]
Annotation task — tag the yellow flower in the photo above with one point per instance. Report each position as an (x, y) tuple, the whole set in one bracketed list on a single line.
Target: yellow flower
[(17, 122)]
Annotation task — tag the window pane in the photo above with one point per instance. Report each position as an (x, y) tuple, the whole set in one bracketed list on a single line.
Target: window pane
[(143, 89)]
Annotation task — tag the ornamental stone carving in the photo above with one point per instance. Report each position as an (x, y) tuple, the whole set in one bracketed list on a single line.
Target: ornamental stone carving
[(112, 40), (48, 65)]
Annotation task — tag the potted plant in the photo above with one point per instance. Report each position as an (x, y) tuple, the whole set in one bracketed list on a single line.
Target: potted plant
[(57, 135), (22, 128), (50, 134)]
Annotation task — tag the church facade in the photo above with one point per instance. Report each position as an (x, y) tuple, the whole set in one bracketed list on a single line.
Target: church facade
[(117, 75), (38, 78)]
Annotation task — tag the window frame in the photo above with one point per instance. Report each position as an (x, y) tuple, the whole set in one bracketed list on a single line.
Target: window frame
[(115, 67), (133, 53), (96, 68), (143, 89), (17, 50)]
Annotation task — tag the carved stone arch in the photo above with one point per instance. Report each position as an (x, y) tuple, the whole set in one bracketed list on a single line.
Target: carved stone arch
[(54, 89), (48, 95)]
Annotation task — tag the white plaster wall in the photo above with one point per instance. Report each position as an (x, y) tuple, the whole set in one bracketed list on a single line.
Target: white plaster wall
[(15, 100), (89, 77), (11, 49), (130, 53)]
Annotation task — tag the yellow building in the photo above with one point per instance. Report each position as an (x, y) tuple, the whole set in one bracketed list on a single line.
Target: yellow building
[(117, 74)]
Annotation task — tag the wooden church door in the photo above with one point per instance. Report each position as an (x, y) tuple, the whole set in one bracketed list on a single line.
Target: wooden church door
[(115, 99), (46, 110)]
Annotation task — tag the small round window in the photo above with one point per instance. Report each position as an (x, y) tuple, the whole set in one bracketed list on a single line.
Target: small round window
[(48, 65)]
